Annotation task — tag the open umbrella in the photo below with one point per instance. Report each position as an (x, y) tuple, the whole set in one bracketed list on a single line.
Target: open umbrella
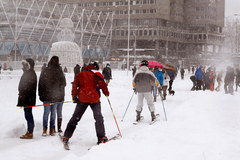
[(152, 64)]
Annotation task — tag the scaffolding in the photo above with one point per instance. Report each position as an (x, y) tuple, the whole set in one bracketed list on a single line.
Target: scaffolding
[(29, 27)]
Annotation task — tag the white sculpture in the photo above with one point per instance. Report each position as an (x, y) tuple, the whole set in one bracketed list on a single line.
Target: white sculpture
[(69, 52)]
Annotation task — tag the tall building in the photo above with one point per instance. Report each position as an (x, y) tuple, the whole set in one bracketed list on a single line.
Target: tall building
[(164, 29)]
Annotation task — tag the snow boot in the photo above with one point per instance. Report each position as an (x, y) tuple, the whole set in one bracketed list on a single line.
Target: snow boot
[(59, 124), (44, 132), (27, 136), (138, 116), (153, 116), (52, 131), (102, 140)]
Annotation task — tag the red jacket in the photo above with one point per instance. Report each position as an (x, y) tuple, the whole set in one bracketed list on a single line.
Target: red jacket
[(87, 85)]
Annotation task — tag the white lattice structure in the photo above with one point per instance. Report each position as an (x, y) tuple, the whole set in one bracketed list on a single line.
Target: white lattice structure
[(30, 27)]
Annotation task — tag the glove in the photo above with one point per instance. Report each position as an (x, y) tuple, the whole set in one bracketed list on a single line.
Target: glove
[(75, 99), (135, 91)]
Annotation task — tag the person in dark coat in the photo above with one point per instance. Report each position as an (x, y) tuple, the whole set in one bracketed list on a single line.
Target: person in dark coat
[(76, 69), (44, 66), (237, 81), (182, 71), (194, 81), (229, 80), (27, 94), (107, 73), (51, 90), (86, 92), (134, 69)]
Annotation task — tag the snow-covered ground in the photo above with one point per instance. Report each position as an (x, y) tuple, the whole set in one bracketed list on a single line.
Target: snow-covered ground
[(202, 125)]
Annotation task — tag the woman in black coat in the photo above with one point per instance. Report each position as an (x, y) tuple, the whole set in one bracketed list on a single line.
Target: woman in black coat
[(51, 90), (27, 94)]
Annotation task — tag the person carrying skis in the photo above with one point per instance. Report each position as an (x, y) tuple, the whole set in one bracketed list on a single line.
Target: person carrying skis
[(107, 73), (27, 94), (143, 81), (86, 92), (51, 90)]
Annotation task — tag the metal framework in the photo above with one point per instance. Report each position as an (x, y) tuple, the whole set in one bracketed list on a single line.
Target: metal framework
[(29, 27)]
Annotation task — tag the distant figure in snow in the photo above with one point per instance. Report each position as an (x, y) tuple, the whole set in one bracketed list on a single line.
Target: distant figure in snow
[(107, 73), (76, 69), (229, 80)]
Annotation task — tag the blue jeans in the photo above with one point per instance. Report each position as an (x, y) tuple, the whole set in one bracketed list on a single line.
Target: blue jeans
[(59, 110), (49, 109)]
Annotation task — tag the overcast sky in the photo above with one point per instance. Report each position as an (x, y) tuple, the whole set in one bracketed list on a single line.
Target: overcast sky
[(232, 7)]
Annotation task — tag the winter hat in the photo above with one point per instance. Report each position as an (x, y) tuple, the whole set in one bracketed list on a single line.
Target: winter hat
[(144, 63), (108, 65), (54, 61), (31, 62), (95, 64)]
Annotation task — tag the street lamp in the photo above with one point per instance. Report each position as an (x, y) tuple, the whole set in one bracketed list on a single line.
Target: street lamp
[(128, 36)]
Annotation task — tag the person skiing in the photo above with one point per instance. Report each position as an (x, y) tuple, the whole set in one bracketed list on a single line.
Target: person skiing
[(143, 81), (158, 74), (27, 94), (107, 73), (51, 87), (86, 92)]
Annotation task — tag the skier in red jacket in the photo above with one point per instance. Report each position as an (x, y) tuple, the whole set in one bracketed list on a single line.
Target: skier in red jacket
[(86, 92)]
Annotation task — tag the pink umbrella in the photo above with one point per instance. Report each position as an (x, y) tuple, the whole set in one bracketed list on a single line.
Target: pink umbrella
[(152, 64)]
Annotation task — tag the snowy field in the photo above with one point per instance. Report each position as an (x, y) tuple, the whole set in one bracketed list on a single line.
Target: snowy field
[(202, 125)]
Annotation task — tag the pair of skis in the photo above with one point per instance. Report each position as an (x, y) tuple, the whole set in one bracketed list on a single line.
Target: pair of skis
[(66, 144), (152, 122)]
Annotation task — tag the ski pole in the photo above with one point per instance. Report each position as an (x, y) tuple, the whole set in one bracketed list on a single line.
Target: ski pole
[(127, 106), (49, 104), (114, 117), (161, 95)]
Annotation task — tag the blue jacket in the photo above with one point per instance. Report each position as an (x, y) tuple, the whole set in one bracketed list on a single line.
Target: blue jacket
[(158, 74), (199, 73)]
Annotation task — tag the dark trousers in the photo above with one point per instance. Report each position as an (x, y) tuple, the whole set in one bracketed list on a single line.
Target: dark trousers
[(29, 117), (77, 115), (170, 85)]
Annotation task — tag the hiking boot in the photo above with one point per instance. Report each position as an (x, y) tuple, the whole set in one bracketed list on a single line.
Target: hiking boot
[(44, 132), (138, 118), (27, 136), (102, 140), (153, 116), (52, 132)]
